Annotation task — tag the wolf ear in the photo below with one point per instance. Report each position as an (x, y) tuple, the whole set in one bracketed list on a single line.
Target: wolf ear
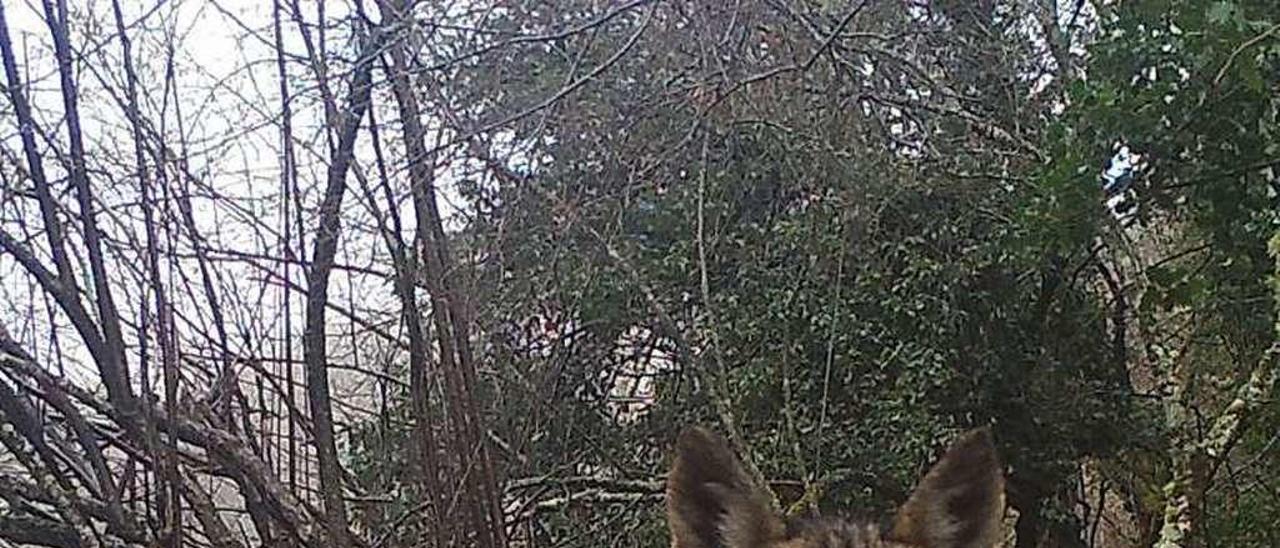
[(711, 502), (960, 502)]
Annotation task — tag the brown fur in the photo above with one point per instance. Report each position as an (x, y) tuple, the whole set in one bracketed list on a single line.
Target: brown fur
[(712, 503)]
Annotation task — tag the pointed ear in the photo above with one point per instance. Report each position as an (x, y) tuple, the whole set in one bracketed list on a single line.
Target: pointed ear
[(711, 502), (960, 502)]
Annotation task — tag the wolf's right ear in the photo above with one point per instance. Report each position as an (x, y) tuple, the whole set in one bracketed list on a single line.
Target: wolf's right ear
[(711, 502), (960, 502)]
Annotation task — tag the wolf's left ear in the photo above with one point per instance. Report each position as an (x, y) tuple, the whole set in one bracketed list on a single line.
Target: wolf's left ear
[(960, 502), (711, 502)]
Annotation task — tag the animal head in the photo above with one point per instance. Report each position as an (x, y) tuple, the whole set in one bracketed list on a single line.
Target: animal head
[(713, 503)]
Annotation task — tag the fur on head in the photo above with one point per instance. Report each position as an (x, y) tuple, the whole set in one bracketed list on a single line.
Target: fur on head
[(712, 503)]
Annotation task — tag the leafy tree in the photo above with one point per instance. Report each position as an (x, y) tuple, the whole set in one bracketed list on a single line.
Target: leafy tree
[(843, 271)]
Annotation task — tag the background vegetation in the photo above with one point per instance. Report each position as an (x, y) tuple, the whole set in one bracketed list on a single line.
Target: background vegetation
[(403, 273)]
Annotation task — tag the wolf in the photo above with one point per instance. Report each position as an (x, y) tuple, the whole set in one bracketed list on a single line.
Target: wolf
[(712, 503)]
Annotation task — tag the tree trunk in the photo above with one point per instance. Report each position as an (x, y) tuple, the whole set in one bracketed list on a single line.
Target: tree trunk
[(314, 348), (1194, 457), (427, 463), (448, 310)]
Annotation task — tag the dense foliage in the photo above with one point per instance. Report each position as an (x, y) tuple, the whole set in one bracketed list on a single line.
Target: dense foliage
[(858, 291)]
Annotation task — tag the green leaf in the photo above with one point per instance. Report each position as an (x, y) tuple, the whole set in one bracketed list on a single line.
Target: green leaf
[(1222, 13)]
